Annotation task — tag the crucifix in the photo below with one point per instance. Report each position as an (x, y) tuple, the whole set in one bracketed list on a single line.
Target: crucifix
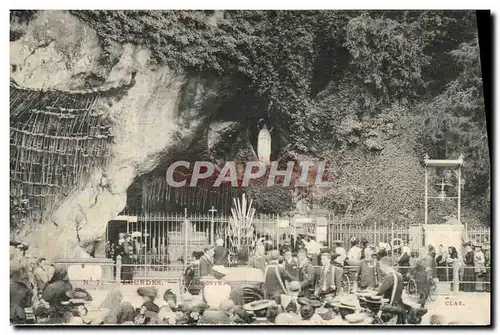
[(212, 211), (442, 195), (449, 164)]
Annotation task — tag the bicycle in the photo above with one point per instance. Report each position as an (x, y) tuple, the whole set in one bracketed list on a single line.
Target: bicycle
[(346, 282), (411, 288), (432, 290)]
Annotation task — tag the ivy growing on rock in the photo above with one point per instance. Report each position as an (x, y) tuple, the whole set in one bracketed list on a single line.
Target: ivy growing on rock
[(319, 73)]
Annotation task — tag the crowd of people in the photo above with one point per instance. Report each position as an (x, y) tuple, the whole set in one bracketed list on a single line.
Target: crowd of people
[(303, 283)]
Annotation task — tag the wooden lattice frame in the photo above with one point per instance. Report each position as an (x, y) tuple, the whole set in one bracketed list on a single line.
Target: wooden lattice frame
[(56, 138)]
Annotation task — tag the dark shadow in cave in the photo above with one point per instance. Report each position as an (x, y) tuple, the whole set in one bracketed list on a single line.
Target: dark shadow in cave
[(246, 109)]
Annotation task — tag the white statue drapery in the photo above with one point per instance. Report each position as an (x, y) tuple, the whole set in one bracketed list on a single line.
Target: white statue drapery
[(264, 146)]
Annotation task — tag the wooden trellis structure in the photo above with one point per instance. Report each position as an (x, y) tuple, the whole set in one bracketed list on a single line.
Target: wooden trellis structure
[(56, 138), (156, 194)]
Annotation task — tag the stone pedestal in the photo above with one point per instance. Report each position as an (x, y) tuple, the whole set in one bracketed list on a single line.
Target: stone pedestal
[(89, 269), (447, 235)]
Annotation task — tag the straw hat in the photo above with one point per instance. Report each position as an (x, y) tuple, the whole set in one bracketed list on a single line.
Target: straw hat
[(356, 317), (345, 303), (294, 286), (373, 299), (258, 305), (309, 302), (366, 293)]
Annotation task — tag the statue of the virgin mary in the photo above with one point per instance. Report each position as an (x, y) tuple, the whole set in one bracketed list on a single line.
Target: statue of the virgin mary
[(264, 145)]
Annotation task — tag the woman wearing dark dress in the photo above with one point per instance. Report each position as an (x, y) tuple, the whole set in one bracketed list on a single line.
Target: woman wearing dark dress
[(126, 250), (451, 260), (469, 269), (55, 291), (441, 264)]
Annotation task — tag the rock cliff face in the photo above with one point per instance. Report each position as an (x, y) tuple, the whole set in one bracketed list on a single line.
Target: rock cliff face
[(58, 51)]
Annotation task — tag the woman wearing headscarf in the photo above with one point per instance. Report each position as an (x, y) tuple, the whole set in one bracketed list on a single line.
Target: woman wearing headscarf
[(479, 268), (55, 292), (57, 286), (112, 302), (126, 313)]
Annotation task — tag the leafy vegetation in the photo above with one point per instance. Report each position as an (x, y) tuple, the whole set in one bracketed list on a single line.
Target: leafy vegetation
[(270, 200), (324, 76)]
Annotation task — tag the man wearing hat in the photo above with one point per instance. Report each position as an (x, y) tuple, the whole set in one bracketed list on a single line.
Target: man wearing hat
[(364, 244), (126, 254), (206, 262), (275, 276), (307, 274), (368, 272), (330, 277)]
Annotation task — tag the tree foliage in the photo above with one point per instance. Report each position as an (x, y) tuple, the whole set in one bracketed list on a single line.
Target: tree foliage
[(454, 123)]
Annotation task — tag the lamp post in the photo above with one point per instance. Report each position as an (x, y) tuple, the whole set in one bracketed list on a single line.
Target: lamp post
[(186, 222), (212, 211)]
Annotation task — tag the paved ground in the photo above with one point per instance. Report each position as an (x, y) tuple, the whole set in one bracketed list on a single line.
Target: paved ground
[(463, 307)]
